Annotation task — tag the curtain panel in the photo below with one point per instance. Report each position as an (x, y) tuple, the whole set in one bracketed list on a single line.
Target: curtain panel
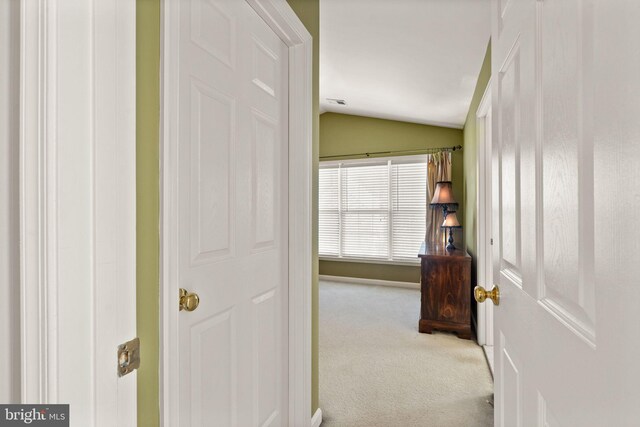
[(438, 169)]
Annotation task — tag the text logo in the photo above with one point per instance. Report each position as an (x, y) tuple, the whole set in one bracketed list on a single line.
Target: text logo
[(34, 415)]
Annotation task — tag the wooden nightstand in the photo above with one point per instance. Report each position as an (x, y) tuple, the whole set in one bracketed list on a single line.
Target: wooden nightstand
[(445, 287)]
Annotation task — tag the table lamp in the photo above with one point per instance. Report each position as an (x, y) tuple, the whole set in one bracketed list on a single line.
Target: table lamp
[(451, 222), (443, 197)]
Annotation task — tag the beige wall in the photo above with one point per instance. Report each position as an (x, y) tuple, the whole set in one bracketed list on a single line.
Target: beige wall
[(342, 135)]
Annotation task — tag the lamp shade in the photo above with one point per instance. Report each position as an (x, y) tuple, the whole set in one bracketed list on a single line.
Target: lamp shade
[(451, 221), (443, 194)]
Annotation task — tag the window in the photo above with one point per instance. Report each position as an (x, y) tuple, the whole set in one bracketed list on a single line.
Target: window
[(373, 209)]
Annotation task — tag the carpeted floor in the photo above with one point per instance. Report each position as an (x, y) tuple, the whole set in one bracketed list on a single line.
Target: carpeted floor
[(376, 370)]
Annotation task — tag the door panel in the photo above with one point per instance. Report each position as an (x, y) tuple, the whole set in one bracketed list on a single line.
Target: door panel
[(567, 163), (212, 177), (213, 28), (264, 157), (232, 206), (265, 340), (511, 391), (509, 117), (546, 417), (213, 387), (566, 151)]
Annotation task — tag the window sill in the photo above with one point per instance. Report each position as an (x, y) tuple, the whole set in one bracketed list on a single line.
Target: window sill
[(415, 263)]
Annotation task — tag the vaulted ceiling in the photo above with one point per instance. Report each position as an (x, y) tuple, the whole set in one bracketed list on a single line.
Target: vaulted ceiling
[(409, 60)]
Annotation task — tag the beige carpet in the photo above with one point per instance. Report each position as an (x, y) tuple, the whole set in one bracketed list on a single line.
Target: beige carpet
[(377, 370)]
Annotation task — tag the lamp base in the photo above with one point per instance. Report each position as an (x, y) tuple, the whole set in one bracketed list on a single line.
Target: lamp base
[(450, 246)]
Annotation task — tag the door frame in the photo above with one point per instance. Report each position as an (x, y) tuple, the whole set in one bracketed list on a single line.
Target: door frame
[(285, 23), (9, 201), (77, 198), (484, 209)]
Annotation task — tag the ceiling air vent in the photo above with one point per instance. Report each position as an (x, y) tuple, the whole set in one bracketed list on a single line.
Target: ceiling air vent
[(337, 101)]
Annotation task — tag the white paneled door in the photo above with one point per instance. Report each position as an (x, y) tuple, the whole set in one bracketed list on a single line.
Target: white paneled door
[(231, 204), (566, 103)]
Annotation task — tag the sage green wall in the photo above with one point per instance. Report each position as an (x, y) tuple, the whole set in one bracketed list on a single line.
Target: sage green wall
[(342, 134), (470, 160), (309, 13), (395, 273), (148, 206), (148, 193)]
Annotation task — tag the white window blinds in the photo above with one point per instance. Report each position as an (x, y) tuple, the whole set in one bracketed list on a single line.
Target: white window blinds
[(328, 212), (373, 209)]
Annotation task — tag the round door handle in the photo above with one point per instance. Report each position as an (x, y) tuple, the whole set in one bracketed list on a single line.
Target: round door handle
[(481, 294), (189, 301)]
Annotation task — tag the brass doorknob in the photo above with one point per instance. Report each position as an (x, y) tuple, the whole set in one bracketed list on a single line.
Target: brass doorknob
[(481, 294), (188, 300)]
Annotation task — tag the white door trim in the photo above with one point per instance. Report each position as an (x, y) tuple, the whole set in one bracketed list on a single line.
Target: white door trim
[(34, 321), (285, 23), (78, 205), (9, 201), (483, 207)]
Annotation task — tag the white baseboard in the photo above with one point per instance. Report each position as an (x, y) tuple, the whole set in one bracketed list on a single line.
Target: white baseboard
[(359, 281), (316, 420), (488, 354)]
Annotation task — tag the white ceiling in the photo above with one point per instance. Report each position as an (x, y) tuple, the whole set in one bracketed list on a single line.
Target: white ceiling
[(410, 60)]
